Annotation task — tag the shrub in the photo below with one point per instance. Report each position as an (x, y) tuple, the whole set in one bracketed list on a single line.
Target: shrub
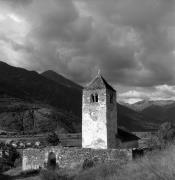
[(18, 162), (13, 155), (88, 163), (53, 139), (166, 133), (3, 133)]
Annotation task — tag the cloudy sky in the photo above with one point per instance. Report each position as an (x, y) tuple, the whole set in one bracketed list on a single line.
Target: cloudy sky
[(131, 41)]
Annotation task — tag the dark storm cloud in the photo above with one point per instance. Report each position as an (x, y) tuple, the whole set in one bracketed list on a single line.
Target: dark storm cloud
[(150, 20), (131, 41), (17, 2)]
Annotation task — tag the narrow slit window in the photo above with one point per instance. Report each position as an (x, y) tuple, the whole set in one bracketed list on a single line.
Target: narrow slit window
[(96, 97), (111, 98), (92, 98)]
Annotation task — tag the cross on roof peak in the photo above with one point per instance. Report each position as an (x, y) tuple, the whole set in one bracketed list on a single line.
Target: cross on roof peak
[(99, 71)]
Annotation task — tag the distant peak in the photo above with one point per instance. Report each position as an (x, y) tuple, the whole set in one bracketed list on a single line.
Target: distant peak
[(142, 101), (49, 71)]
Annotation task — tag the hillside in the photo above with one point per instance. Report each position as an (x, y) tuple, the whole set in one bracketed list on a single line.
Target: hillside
[(51, 75), (142, 105), (54, 105), (134, 121), (155, 111), (161, 113), (31, 86), (21, 90), (19, 115)]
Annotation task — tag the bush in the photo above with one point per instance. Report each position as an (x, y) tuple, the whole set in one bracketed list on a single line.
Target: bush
[(13, 155), (3, 133), (18, 162), (166, 133), (88, 163), (53, 139)]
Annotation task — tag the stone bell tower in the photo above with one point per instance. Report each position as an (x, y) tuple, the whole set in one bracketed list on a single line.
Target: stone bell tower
[(99, 115)]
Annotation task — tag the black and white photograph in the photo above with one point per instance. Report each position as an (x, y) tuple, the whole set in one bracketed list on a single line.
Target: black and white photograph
[(87, 89)]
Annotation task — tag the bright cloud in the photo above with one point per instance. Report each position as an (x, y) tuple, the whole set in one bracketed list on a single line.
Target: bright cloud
[(15, 18), (161, 92)]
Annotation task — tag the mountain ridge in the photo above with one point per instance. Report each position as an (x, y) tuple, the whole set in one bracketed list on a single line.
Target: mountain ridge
[(33, 87), (52, 75), (156, 111), (30, 85)]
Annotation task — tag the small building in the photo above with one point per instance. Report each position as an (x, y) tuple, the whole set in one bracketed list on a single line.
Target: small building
[(126, 139)]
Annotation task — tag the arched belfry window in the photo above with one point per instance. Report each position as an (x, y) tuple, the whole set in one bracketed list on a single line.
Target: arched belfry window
[(92, 99), (96, 97)]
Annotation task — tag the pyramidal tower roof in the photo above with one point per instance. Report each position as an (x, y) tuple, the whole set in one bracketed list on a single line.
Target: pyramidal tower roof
[(99, 83)]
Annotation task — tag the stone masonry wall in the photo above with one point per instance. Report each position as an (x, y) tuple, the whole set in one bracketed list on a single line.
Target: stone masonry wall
[(68, 157), (111, 119)]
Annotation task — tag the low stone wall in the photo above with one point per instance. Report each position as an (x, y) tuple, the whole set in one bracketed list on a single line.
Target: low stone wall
[(68, 157)]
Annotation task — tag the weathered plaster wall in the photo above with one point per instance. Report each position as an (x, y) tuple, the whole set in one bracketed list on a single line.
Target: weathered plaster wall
[(94, 130), (68, 157), (111, 119)]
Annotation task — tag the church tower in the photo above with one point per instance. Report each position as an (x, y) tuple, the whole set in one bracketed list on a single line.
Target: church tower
[(99, 115)]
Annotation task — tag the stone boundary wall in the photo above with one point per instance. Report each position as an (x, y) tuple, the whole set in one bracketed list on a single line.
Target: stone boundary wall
[(69, 135), (69, 157)]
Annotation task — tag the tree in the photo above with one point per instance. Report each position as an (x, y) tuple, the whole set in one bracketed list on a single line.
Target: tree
[(13, 155), (31, 115), (20, 111), (88, 163), (166, 133), (53, 139), (9, 154)]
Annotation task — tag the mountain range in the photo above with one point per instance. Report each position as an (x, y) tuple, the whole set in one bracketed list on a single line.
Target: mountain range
[(49, 100), (144, 104), (155, 111)]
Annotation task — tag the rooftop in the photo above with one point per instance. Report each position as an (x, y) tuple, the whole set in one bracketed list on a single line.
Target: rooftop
[(99, 83), (126, 136)]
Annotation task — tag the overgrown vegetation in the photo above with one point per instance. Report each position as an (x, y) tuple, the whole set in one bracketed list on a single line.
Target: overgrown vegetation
[(154, 166), (8, 156), (164, 136)]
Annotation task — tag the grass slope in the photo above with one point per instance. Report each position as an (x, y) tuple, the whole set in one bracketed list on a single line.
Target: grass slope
[(45, 117)]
